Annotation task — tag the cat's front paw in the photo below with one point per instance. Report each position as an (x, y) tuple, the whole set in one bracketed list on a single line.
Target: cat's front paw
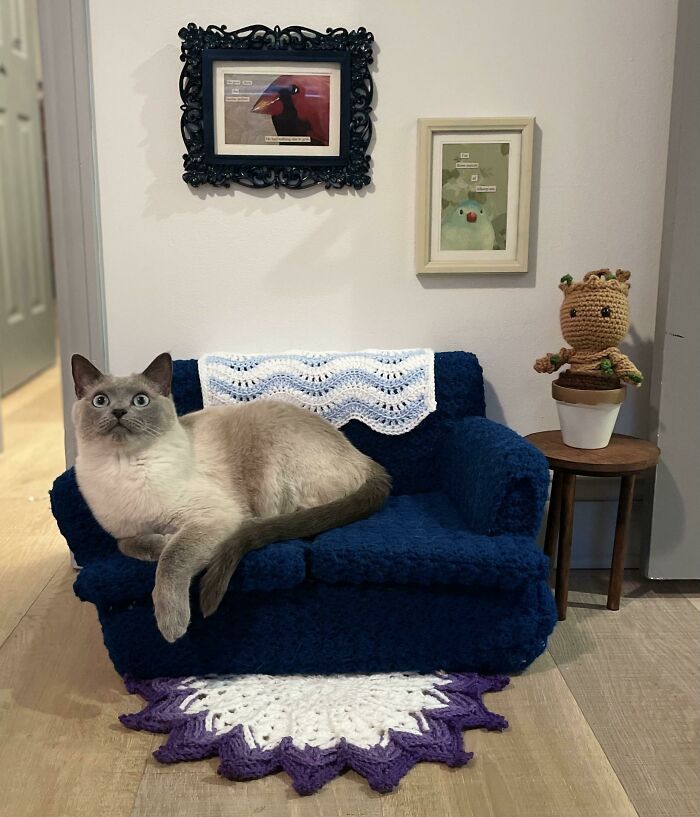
[(172, 611)]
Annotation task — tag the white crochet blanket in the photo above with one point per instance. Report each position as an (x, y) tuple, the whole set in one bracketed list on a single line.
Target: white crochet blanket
[(390, 391)]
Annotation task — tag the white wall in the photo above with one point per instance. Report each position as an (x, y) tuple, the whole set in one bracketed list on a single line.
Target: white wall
[(196, 271)]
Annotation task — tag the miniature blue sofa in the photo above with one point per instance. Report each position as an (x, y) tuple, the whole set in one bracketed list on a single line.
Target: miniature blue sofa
[(446, 576)]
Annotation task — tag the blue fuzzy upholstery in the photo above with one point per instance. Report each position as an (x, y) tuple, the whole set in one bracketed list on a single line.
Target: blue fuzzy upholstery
[(421, 539), (410, 458), (446, 575), (113, 579), (88, 541), (325, 628), (495, 477), (186, 391)]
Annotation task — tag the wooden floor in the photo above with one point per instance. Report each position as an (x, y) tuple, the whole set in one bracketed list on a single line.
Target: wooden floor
[(604, 723)]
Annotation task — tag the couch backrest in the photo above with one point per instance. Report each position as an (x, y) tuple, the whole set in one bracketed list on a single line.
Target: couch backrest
[(409, 458)]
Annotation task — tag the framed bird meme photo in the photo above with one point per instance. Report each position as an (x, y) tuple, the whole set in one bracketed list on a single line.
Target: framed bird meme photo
[(473, 187), (272, 107)]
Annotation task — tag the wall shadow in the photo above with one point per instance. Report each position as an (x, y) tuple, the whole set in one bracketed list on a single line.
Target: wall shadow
[(494, 407)]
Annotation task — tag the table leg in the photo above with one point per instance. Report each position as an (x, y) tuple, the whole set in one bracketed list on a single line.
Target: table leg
[(624, 512), (566, 529), (550, 536)]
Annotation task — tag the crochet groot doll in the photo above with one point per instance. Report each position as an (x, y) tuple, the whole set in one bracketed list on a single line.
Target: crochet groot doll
[(594, 318)]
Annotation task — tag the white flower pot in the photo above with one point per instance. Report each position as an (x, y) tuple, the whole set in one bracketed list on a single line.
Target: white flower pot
[(587, 416)]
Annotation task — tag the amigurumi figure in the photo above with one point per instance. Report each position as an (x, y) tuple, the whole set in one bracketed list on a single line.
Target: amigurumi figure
[(594, 318)]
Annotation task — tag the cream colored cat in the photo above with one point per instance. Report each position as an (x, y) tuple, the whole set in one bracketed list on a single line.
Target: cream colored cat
[(200, 491)]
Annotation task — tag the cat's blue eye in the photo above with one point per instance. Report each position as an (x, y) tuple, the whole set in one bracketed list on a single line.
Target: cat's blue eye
[(100, 400), (140, 400)]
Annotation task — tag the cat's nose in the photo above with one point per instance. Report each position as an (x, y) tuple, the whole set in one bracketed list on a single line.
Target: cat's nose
[(118, 413)]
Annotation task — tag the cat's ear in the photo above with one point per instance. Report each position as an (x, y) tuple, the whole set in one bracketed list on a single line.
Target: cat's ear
[(160, 373), (84, 374)]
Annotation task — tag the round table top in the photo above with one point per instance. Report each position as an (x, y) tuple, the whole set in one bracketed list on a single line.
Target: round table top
[(624, 455)]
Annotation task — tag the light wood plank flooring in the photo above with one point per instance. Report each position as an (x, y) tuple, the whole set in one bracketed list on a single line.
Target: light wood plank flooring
[(604, 723)]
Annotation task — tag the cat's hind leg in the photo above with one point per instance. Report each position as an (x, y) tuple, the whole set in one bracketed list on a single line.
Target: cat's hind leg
[(147, 547)]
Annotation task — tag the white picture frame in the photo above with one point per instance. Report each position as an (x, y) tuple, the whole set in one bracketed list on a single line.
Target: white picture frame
[(473, 195)]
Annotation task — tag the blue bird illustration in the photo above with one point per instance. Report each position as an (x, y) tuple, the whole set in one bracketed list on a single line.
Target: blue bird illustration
[(467, 227)]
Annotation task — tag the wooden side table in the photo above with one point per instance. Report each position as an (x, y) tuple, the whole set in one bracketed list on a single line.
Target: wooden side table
[(625, 457)]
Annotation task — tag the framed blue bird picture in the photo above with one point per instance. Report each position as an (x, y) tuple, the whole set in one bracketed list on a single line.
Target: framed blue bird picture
[(473, 208)]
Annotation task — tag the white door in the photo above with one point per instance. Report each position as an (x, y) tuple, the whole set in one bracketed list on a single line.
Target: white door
[(26, 301)]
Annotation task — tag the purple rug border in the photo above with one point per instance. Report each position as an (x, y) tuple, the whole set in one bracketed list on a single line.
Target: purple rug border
[(310, 768)]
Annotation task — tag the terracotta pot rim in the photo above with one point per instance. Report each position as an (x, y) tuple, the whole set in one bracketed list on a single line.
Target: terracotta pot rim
[(588, 397)]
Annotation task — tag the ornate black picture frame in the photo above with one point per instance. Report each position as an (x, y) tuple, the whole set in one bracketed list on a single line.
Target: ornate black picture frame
[(346, 161)]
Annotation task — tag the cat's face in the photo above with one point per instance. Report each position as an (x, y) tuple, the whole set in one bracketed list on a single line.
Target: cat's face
[(123, 412)]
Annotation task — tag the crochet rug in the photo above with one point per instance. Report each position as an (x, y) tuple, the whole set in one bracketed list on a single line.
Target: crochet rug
[(315, 727), (391, 391)]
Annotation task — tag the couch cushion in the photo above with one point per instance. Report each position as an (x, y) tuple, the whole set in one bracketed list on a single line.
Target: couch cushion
[(118, 579), (420, 539), (417, 539)]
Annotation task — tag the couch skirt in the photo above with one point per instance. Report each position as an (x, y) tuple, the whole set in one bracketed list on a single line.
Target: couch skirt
[(324, 628)]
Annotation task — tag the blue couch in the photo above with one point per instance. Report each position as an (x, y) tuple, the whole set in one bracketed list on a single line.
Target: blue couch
[(447, 575)]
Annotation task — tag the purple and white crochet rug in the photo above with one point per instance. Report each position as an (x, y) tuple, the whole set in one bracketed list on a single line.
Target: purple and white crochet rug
[(315, 727)]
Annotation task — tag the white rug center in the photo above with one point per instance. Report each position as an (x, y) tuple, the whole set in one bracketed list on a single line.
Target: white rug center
[(315, 710)]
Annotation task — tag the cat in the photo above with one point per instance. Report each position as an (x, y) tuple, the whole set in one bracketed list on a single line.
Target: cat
[(202, 490)]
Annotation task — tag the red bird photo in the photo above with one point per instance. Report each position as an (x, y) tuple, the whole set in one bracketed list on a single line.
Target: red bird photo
[(288, 109)]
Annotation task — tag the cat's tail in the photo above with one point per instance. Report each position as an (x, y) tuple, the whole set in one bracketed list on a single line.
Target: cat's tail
[(258, 531)]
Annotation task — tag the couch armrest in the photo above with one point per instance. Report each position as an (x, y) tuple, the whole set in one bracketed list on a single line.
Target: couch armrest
[(496, 478), (86, 539)]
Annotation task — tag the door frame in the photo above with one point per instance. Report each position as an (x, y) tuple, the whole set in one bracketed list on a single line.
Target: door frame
[(670, 550), (64, 29)]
